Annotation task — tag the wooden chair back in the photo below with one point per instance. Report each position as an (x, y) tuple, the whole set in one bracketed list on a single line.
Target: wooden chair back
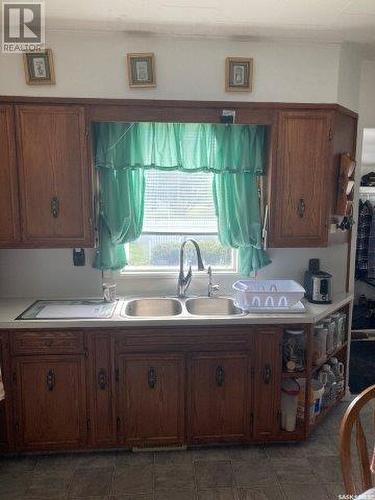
[(351, 420)]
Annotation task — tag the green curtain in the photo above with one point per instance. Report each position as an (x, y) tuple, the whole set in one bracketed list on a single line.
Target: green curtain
[(237, 209), (189, 147), (235, 153)]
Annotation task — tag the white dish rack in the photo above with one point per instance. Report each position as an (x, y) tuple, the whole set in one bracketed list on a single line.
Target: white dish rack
[(255, 295)]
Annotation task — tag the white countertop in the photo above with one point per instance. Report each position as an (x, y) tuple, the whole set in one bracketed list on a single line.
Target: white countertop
[(12, 308)]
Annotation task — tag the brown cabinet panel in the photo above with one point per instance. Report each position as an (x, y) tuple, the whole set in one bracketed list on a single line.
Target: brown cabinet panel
[(9, 206), (47, 342), (100, 389), (219, 397), (151, 399), (267, 382), (6, 405), (302, 182), (51, 410), (54, 175)]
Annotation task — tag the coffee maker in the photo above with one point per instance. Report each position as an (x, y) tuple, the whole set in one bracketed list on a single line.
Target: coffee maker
[(318, 284)]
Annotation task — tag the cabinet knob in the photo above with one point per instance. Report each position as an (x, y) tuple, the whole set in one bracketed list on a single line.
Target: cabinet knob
[(151, 378), (301, 207), (267, 374), (102, 379), (220, 376), (51, 380), (55, 207)]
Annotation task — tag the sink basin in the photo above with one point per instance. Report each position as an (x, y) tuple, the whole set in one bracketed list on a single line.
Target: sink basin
[(153, 307), (212, 306)]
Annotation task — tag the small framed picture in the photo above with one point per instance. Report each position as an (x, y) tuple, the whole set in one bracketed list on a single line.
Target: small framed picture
[(39, 68), (141, 70), (238, 74)]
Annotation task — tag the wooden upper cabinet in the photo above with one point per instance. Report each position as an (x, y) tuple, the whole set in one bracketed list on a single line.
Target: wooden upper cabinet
[(151, 393), (54, 175), (267, 382), (302, 181), (219, 397), (9, 204)]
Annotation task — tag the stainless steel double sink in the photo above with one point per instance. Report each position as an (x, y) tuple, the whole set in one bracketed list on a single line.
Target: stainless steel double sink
[(169, 307)]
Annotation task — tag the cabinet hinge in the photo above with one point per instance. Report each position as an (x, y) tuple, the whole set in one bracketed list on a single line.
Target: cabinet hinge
[(86, 353), (330, 135), (14, 378), (117, 375), (279, 418), (88, 424), (118, 424)]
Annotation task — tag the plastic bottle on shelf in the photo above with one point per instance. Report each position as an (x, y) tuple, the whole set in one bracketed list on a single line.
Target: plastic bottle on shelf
[(331, 327), (337, 336), (330, 387), (338, 370), (319, 344)]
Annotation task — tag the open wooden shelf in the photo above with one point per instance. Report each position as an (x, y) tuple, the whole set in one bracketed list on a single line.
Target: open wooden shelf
[(316, 368)]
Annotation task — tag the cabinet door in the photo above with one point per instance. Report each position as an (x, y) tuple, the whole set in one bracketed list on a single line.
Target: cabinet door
[(151, 399), (302, 182), (9, 209), (103, 422), (219, 397), (54, 175), (267, 382), (51, 409), (6, 423)]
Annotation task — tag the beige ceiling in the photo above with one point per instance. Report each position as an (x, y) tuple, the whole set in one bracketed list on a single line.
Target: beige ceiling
[(322, 20)]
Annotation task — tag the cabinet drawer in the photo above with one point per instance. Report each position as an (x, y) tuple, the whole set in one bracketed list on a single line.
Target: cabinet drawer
[(47, 342)]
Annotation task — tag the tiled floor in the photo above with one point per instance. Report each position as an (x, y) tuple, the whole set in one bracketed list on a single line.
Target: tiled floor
[(308, 471)]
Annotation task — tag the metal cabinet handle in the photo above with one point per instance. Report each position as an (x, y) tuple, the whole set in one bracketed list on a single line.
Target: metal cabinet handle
[(151, 378), (51, 380), (267, 374), (55, 207), (220, 376), (102, 379), (301, 208)]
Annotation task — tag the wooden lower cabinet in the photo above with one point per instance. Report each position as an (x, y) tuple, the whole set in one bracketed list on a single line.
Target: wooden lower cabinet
[(219, 397), (267, 382), (51, 402), (151, 394)]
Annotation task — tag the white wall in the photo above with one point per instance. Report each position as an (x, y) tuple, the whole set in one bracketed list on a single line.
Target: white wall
[(93, 65)]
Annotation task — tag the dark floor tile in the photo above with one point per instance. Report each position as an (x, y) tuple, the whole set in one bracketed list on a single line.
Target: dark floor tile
[(246, 453), (297, 470), (174, 477), (251, 474), (17, 465), (314, 491), (130, 458), (334, 490), (95, 460), (327, 469), (219, 454), (135, 496), (218, 494), (133, 479), (58, 463), (14, 486), (175, 495), (91, 482), (174, 457), (54, 485), (213, 474), (261, 493)]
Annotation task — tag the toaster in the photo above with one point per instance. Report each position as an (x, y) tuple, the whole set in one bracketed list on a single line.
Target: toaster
[(318, 284)]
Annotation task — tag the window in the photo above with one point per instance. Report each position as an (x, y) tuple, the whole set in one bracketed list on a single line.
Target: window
[(178, 205)]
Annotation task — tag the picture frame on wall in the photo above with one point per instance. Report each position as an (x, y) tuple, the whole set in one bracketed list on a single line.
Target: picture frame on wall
[(39, 68), (238, 74), (141, 70)]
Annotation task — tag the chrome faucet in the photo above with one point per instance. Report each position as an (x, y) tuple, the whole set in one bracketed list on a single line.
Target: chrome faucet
[(183, 281), (211, 287)]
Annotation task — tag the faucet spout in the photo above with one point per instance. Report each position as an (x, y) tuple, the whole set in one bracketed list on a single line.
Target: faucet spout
[(184, 281)]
